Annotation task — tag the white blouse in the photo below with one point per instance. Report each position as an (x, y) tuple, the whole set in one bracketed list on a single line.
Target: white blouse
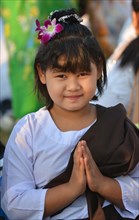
[(36, 152)]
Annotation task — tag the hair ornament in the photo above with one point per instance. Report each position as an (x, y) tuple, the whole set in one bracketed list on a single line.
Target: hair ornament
[(51, 14), (48, 31), (63, 18)]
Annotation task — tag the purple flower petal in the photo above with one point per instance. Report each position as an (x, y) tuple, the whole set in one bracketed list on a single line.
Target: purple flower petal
[(46, 23), (58, 28), (48, 31), (38, 25), (40, 34), (43, 28), (45, 38)]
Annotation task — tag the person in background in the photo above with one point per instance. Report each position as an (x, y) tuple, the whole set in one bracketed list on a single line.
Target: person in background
[(122, 68), (58, 162), (6, 120), (105, 18)]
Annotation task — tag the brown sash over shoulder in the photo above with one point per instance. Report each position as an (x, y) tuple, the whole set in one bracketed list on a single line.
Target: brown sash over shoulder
[(114, 144)]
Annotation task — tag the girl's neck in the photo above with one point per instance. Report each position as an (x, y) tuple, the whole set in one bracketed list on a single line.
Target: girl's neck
[(68, 120)]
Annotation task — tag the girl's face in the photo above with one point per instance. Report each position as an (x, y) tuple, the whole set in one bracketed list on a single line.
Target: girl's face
[(70, 91)]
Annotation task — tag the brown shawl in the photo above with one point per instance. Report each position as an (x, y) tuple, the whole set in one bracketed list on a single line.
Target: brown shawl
[(114, 144)]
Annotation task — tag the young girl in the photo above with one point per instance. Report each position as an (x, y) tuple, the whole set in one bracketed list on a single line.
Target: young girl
[(71, 159)]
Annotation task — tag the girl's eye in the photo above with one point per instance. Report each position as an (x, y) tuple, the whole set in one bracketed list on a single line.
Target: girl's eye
[(62, 76), (83, 74)]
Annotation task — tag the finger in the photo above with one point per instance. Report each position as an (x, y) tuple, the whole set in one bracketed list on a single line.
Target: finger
[(78, 153), (87, 164), (82, 167), (78, 149), (85, 150), (81, 163)]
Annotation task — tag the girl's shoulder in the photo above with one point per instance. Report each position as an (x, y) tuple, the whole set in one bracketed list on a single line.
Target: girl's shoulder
[(27, 129), (32, 120)]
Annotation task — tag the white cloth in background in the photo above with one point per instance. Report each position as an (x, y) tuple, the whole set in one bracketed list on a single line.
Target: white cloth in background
[(119, 87), (5, 87), (36, 152)]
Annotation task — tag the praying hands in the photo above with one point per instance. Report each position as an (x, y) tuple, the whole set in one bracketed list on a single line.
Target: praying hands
[(107, 187)]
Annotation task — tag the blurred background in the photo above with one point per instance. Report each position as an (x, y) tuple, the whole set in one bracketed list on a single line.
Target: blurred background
[(18, 44)]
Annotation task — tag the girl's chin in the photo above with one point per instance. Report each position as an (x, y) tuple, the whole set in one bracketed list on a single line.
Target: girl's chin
[(74, 107)]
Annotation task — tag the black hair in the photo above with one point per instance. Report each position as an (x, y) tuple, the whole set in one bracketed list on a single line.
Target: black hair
[(131, 55), (135, 5), (79, 48)]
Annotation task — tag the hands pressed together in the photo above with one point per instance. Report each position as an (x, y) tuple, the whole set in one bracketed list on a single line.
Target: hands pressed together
[(85, 171)]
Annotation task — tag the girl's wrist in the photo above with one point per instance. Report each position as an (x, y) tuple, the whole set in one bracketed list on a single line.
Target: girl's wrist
[(103, 185), (75, 190)]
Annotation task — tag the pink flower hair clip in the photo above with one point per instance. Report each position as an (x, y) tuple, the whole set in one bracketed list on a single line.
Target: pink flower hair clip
[(48, 31)]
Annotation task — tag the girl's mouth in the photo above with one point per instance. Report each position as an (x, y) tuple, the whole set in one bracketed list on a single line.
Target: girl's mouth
[(73, 97)]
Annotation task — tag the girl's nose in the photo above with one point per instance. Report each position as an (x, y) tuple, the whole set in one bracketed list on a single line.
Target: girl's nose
[(73, 84)]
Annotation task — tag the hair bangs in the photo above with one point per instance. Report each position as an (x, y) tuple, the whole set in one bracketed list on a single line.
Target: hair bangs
[(70, 56)]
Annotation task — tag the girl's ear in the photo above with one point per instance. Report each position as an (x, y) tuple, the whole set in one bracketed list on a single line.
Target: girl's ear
[(41, 74)]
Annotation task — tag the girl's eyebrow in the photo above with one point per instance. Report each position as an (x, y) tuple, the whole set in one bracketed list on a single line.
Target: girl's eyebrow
[(59, 70), (56, 70)]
